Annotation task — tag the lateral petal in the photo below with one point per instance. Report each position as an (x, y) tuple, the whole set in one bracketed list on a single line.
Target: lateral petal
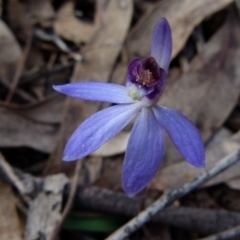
[(95, 91), (162, 44), (98, 129), (144, 153), (183, 133)]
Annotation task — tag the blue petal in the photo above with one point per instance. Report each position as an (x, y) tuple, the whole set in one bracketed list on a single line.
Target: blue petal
[(183, 133), (98, 129), (162, 44), (144, 153), (96, 91)]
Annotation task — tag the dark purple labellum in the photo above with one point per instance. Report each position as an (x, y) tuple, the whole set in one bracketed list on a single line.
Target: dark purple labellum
[(147, 77), (148, 72), (144, 72)]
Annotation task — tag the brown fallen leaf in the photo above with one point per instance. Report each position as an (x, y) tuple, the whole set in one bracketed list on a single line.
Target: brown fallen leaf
[(114, 146), (226, 147), (91, 170), (49, 112), (43, 196), (34, 59), (234, 183), (97, 65), (8, 174), (183, 16), (24, 14), (70, 27), (111, 175), (40, 11), (177, 174), (10, 52), (17, 131), (119, 73), (45, 210), (10, 226), (18, 19)]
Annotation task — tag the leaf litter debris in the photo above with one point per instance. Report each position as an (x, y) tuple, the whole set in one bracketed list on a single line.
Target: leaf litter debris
[(45, 43)]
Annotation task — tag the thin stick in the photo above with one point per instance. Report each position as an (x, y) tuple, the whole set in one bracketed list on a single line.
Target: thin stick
[(69, 203), (203, 221), (18, 92), (228, 234), (10, 175), (20, 67), (171, 196)]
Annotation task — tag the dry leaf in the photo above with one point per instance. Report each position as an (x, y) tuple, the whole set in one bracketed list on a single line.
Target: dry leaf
[(23, 14), (115, 146), (10, 52), (119, 74), (184, 172), (91, 171), (18, 19), (40, 11), (234, 183), (45, 210), (10, 227), (47, 112), (183, 16), (72, 28), (17, 131), (111, 176)]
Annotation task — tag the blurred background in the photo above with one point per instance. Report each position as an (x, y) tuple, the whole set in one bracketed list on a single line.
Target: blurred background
[(49, 42)]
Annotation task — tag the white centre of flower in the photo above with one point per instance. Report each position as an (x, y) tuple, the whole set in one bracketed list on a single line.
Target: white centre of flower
[(135, 92), (138, 94)]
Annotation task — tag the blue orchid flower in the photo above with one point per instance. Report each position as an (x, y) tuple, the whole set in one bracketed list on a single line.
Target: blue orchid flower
[(146, 82)]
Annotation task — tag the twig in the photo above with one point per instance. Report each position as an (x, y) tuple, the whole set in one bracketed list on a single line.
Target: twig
[(52, 37), (10, 175), (20, 68), (18, 92), (171, 196), (203, 221), (46, 73), (228, 234), (69, 203), (39, 33), (29, 105)]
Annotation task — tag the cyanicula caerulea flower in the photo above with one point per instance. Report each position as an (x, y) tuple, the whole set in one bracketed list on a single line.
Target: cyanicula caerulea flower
[(146, 82)]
